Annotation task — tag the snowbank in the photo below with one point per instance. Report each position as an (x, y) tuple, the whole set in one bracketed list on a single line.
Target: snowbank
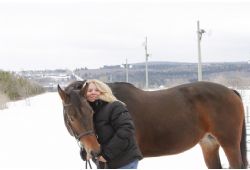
[(33, 136)]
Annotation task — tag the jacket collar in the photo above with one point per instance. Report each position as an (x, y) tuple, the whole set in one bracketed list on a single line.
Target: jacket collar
[(97, 105)]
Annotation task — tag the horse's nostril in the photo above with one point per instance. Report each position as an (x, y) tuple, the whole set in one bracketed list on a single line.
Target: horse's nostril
[(94, 156)]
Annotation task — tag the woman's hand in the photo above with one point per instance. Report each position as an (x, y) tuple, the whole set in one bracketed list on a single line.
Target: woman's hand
[(100, 158)]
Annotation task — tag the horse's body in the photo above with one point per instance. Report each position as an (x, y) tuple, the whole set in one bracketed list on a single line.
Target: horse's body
[(174, 120)]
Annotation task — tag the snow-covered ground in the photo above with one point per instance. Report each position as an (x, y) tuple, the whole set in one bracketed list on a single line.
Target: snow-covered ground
[(33, 136)]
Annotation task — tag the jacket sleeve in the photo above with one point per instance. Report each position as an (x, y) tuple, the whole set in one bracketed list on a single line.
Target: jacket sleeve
[(124, 128)]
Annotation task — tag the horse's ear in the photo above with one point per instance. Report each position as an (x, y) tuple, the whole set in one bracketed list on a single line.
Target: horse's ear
[(61, 92), (84, 89)]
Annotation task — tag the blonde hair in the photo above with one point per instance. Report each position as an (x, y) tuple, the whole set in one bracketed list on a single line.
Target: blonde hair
[(106, 93)]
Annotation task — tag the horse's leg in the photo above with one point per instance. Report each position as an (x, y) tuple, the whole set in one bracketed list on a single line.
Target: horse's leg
[(233, 154), (210, 150), (230, 142)]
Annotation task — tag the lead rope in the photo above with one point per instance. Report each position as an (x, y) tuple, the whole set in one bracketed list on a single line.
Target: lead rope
[(99, 165), (87, 162)]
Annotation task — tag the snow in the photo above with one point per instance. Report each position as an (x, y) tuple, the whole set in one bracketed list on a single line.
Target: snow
[(33, 136)]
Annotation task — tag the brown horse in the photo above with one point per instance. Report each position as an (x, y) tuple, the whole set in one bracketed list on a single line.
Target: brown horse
[(174, 120)]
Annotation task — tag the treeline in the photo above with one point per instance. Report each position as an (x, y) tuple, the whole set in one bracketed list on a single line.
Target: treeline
[(13, 87)]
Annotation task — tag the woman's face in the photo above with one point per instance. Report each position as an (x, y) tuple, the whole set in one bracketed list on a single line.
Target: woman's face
[(92, 93)]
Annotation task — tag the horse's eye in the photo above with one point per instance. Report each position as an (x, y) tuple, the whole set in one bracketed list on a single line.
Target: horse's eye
[(73, 115), (71, 118), (70, 112)]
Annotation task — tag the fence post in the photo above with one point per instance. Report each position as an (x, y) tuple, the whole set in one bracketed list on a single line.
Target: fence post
[(247, 114)]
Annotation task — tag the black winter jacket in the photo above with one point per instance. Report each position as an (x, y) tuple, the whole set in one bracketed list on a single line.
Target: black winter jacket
[(115, 132)]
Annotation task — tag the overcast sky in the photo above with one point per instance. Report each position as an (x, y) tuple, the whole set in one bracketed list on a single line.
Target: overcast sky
[(51, 34)]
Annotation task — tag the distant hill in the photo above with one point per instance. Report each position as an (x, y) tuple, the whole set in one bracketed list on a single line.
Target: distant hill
[(167, 74), (234, 74)]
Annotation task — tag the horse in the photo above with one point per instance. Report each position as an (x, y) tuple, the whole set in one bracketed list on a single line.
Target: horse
[(173, 120)]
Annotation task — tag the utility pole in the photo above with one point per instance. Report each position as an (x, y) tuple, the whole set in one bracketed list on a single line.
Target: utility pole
[(199, 35), (146, 63), (126, 67)]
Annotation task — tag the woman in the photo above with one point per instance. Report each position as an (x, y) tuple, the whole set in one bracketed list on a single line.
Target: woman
[(114, 127)]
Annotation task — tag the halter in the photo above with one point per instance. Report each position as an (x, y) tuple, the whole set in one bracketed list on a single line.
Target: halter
[(80, 135)]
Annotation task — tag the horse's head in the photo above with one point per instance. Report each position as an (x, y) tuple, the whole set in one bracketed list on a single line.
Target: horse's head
[(78, 117)]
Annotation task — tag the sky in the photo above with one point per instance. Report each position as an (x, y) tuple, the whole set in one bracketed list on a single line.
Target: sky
[(54, 34)]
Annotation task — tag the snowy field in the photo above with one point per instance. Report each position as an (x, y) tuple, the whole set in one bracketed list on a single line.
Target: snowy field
[(33, 136)]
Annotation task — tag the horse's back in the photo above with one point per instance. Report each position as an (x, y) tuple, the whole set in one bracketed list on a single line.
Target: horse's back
[(175, 113), (192, 95), (198, 97)]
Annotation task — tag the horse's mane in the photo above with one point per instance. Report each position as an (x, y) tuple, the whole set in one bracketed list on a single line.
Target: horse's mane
[(237, 93), (115, 86), (121, 85), (76, 85)]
